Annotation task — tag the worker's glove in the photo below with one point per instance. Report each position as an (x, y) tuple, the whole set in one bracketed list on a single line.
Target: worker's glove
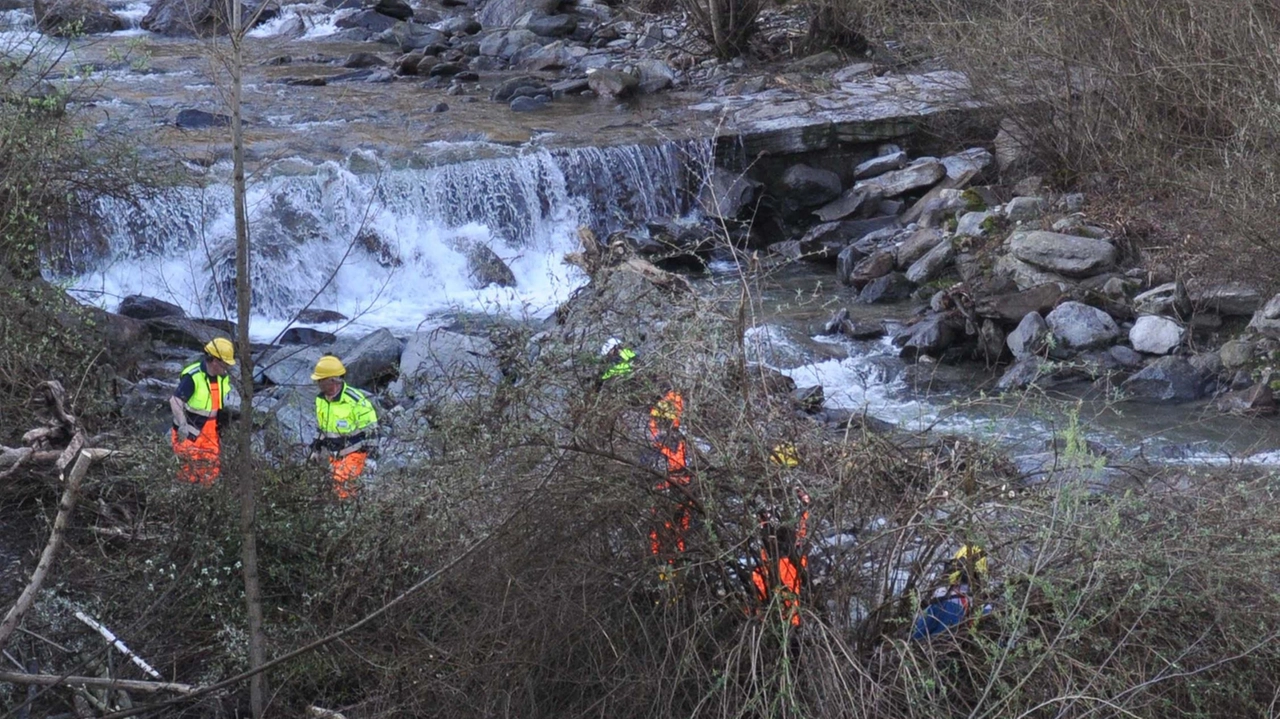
[(188, 432)]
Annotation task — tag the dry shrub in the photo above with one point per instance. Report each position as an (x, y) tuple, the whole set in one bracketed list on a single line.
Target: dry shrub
[(726, 24)]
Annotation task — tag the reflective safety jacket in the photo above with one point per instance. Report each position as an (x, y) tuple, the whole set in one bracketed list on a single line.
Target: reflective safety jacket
[(208, 395), (345, 421), (622, 367)]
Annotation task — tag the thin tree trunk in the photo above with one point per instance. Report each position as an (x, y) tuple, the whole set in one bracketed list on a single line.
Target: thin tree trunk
[(244, 429)]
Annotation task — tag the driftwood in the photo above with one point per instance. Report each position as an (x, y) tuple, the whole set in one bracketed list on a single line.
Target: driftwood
[(96, 682), (114, 641)]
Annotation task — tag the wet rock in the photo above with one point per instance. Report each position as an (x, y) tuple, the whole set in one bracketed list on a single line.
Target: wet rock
[(575, 86), (893, 287), (1156, 335), (1022, 374), (528, 104), (930, 336), (445, 69), (991, 342), (613, 83), (917, 245), (1079, 326), (443, 366), (920, 174), (1256, 400), (524, 85), (872, 267), (370, 20), (398, 9), (1066, 255), (485, 268), (655, 75), (932, 264), (837, 320), (850, 203), (1012, 307), (306, 336), (803, 186), (141, 307), (877, 166), (1024, 209), (1266, 321), (198, 18), (75, 17), (314, 316), (727, 194), (363, 60), (1235, 354), (1168, 379), (809, 399), (1170, 298), (190, 119), (1030, 338), (1230, 299), (552, 25), (289, 366)]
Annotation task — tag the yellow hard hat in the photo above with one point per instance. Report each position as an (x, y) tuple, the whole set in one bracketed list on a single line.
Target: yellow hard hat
[(969, 556), (221, 348), (328, 366), (785, 455)]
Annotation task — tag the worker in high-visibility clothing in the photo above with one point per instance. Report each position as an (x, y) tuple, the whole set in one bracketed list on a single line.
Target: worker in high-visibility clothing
[(665, 437), (953, 606), (346, 420), (617, 359), (784, 555), (196, 403)]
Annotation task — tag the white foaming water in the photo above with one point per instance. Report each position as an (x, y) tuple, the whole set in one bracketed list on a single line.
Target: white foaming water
[(388, 248)]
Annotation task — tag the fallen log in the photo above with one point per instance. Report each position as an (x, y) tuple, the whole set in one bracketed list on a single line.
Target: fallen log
[(95, 682)]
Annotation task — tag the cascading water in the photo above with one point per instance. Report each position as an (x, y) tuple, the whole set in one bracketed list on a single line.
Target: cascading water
[(389, 247)]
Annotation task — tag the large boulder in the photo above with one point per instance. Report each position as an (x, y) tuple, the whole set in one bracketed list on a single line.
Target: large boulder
[(1030, 338), (372, 359), (370, 20), (447, 366), (655, 75), (802, 186), (74, 17), (505, 13), (1078, 326), (1267, 320), (1168, 379), (1170, 298), (1067, 255), (726, 194), (613, 83), (1156, 335), (966, 165), (141, 307), (288, 366), (1234, 299), (1011, 307), (1025, 275), (876, 265), (552, 25), (932, 264), (505, 44), (930, 336), (918, 175), (200, 18), (187, 332), (917, 245), (893, 287)]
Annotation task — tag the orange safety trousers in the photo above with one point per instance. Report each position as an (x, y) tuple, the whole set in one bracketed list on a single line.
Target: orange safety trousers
[(788, 584), (346, 470), (200, 455)]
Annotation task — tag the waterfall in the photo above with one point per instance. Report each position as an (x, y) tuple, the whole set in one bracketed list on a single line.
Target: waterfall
[(387, 245)]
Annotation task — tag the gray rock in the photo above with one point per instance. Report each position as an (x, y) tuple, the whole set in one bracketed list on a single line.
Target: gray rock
[(991, 342), (804, 186), (1237, 353), (1013, 146), (443, 366), (438, 108), (1023, 373), (932, 264), (458, 25), (1067, 255), (1168, 379), (1029, 339), (845, 232), (1156, 335), (1208, 364), (506, 43), (655, 75), (1024, 209), (964, 166), (445, 69), (1026, 276), (808, 399), (1229, 299), (930, 336), (364, 59), (1256, 400), (192, 333), (367, 20), (198, 18), (292, 415), (372, 359), (517, 86), (504, 13), (397, 9), (917, 245), (1012, 307), (1078, 326), (1266, 321), (191, 119), (973, 224), (727, 194), (875, 266), (306, 336), (289, 366), (525, 103), (613, 84), (877, 166), (893, 287), (141, 307), (919, 174), (485, 268), (1126, 357), (1170, 298), (89, 17), (313, 316), (552, 25)]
